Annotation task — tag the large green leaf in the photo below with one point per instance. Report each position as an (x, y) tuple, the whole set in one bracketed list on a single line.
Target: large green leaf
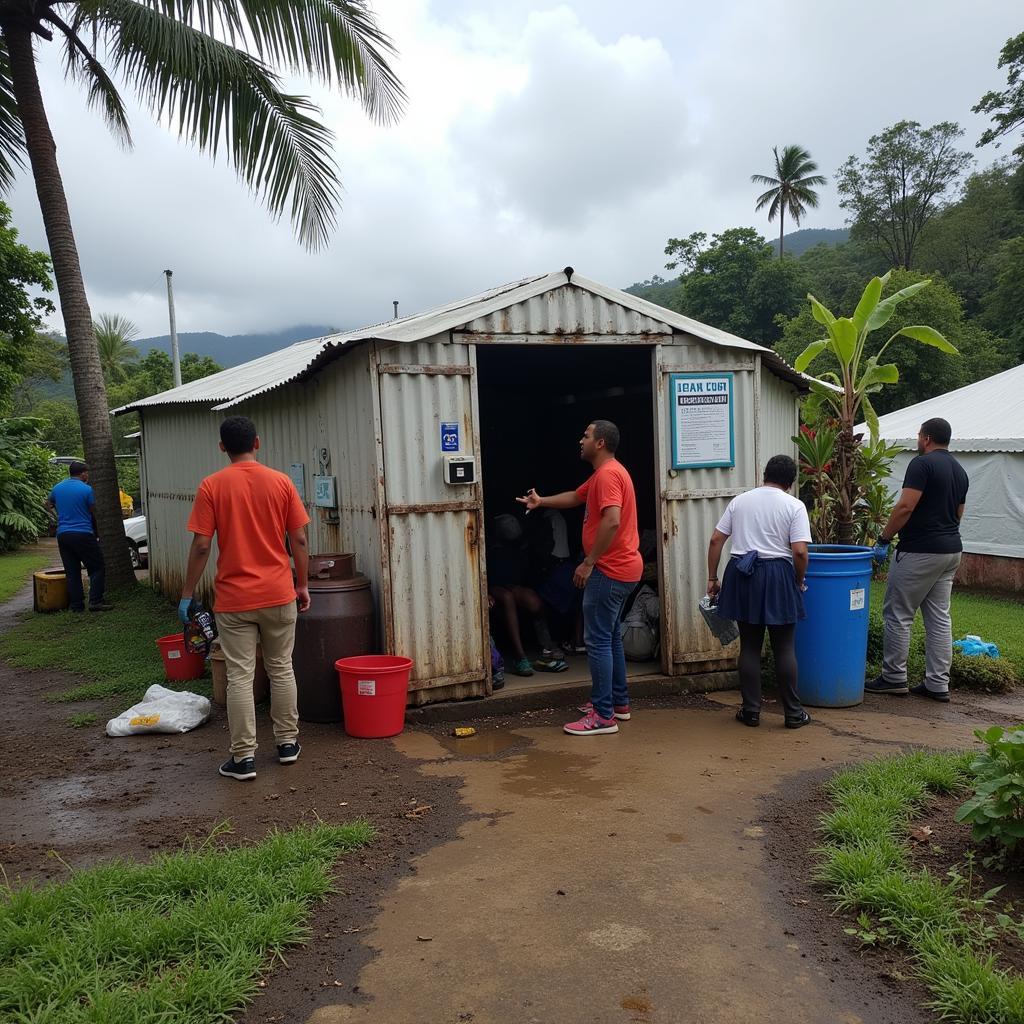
[(870, 418), (844, 339), (820, 313), (868, 302), (927, 336), (809, 354), (885, 309), (886, 373)]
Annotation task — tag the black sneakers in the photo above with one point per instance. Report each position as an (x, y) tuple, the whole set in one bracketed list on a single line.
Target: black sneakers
[(288, 753), (881, 685), (101, 606), (942, 696), (798, 723), (241, 770), (748, 717)]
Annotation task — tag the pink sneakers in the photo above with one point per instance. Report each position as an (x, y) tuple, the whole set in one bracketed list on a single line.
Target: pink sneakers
[(591, 724), (621, 711)]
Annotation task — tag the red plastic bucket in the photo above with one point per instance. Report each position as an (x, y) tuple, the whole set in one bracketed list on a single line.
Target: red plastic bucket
[(374, 690), (179, 663)]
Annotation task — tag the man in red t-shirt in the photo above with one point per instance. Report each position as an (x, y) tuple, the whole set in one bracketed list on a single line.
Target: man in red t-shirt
[(251, 508), (609, 572)]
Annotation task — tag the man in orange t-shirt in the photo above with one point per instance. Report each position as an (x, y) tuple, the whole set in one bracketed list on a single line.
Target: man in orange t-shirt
[(251, 508), (609, 572)]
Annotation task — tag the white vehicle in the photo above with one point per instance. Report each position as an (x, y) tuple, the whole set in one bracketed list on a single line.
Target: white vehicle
[(138, 545)]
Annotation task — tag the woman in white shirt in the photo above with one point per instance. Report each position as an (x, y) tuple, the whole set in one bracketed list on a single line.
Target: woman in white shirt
[(764, 583)]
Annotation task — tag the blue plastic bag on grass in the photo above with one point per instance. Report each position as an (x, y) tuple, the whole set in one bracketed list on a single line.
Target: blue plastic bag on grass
[(974, 646)]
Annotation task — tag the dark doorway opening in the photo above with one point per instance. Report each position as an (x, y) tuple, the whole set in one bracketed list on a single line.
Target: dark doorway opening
[(535, 402)]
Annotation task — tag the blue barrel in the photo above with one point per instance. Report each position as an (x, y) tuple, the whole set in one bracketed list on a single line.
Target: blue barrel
[(832, 642)]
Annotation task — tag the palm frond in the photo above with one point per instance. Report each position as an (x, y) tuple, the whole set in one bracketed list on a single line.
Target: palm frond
[(334, 41), (765, 198), (12, 135), (763, 179), (81, 65), (217, 95)]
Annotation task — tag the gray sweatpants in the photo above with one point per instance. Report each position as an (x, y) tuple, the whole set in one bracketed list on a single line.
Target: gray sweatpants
[(925, 581)]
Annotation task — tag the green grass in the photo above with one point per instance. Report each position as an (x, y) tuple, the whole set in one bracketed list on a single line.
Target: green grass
[(996, 620), (114, 651), (183, 939), (80, 721), (16, 568), (866, 868)]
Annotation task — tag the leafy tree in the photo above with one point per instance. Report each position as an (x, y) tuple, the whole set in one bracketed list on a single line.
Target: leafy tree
[(901, 184), (792, 187), (59, 428), (207, 70), (962, 242), (860, 376), (1006, 107), (1002, 307), (836, 272), (114, 337), (45, 362), (733, 283), (923, 372), (21, 270), (25, 479)]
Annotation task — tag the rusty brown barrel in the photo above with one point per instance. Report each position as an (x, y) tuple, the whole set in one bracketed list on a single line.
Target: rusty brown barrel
[(340, 623)]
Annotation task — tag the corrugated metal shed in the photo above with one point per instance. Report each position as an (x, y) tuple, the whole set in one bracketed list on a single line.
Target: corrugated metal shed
[(987, 416), (477, 314)]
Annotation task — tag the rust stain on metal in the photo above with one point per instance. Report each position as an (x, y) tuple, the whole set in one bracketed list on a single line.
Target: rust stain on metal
[(434, 506), (432, 370)]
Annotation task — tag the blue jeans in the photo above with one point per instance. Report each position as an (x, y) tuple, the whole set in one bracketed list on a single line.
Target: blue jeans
[(603, 599)]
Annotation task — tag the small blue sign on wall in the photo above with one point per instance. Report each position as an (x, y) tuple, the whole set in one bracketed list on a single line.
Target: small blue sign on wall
[(450, 437)]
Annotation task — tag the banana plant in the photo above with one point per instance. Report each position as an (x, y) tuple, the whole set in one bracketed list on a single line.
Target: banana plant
[(846, 394)]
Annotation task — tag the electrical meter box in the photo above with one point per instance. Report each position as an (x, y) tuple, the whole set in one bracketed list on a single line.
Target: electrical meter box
[(459, 469), (325, 491)]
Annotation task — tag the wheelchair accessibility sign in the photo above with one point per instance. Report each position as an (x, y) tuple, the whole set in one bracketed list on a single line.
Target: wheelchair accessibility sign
[(450, 437)]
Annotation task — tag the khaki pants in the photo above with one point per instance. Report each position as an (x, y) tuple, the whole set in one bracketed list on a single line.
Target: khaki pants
[(239, 632)]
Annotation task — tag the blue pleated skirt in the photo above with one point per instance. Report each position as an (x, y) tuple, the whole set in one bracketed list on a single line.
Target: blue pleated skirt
[(768, 597)]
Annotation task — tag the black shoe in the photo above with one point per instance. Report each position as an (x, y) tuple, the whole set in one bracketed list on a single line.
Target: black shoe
[(241, 770), (880, 685), (101, 606), (798, 723), (497, 681), (288, 753), (747, 717), (922, 691)]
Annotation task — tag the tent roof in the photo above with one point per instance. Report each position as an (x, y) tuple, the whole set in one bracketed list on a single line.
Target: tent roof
[(987, 416), (240, 383)]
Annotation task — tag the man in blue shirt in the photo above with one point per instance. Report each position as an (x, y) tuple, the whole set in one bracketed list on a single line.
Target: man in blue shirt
[(76, 538)]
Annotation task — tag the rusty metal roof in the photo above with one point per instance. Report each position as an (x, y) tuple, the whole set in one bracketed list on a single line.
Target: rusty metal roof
[(241, 383)]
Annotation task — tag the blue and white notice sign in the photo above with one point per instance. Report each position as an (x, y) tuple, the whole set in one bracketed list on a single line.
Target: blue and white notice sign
[(450, 437), (702, 420)]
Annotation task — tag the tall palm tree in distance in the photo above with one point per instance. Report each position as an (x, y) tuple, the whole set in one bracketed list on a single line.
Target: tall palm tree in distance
[(207, 70), (114, 337), (791, 189)]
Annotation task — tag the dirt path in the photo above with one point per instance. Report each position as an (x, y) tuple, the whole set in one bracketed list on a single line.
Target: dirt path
[(550, 879)]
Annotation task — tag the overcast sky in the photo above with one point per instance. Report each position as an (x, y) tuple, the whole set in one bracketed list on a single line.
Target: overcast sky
[(537, 135)]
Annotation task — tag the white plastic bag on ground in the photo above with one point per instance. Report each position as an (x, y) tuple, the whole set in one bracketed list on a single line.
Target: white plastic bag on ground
[(161, 710)]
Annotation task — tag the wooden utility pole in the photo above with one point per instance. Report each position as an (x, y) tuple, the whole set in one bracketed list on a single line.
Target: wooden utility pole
[(175, 357)]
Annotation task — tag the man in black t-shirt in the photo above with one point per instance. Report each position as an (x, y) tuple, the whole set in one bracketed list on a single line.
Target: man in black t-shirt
[(927, 518)]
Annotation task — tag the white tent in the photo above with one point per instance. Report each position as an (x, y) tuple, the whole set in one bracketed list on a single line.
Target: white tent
[(988, 438)]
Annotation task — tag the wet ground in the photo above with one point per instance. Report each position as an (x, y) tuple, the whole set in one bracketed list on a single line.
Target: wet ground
[(521, 875)]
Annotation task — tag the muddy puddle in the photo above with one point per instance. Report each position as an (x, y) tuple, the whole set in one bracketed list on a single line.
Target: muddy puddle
[(485, 743)]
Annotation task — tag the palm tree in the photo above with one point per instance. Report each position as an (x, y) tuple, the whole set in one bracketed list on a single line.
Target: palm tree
[(207, 70), (791, 189), (114, 337)]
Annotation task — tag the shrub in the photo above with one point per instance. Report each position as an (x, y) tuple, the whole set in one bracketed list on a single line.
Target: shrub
[(25, 480), (989, 675), (996, 811)]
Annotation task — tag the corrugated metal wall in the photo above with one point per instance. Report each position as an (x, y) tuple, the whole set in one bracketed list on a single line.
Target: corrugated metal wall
[(693, 501), (567, 310), (780, 418), (434, 529)]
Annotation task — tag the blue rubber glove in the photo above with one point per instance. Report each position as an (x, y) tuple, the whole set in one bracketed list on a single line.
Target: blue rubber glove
[(880, 552), (183, 606)]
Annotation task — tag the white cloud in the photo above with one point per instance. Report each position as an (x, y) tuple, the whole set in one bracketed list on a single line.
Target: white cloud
[(537, 135)]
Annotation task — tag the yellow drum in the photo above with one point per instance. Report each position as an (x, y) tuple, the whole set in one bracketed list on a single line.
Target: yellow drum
[(49, 590)]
